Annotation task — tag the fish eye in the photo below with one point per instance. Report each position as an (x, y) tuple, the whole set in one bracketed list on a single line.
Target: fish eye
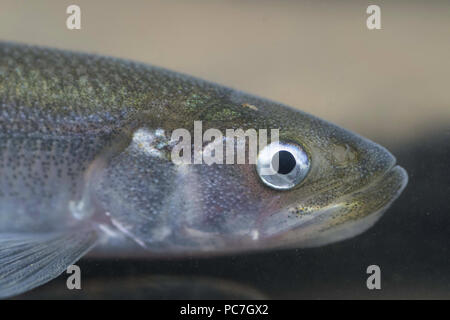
[(282, 166)]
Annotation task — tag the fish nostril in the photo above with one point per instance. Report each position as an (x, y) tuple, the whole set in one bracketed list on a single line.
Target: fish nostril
[(283, 162)]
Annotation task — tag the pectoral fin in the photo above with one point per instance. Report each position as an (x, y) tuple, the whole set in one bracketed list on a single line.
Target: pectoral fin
[(30, 260)]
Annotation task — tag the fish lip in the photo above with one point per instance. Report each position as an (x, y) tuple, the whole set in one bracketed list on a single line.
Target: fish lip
[(398, 185), (380, 181), (356, 212), (388, 186), (367, 205)]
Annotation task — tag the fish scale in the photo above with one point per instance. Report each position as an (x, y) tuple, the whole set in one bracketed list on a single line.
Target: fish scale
[(86, 163)]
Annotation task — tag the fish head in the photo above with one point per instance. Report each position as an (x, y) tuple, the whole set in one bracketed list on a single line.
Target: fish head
[(327, 184)]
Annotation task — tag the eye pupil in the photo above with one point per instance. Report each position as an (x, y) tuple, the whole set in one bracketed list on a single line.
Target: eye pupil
[(282, 166), (286, 162)]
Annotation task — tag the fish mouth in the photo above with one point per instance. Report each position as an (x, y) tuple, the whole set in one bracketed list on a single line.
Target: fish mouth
[(358, 211), (344, 218)]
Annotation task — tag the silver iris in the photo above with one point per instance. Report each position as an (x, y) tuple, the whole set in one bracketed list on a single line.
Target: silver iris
[(282, 166)]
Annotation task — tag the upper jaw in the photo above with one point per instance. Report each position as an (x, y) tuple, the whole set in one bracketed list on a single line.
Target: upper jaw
[(344, 218)]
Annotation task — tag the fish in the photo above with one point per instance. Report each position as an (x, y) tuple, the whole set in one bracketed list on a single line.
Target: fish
[(87, 165)]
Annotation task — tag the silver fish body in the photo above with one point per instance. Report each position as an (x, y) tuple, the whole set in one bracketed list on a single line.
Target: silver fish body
[(85, 161)]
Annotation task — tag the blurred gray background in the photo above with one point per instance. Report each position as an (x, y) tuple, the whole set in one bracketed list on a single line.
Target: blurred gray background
[(390, 85)]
